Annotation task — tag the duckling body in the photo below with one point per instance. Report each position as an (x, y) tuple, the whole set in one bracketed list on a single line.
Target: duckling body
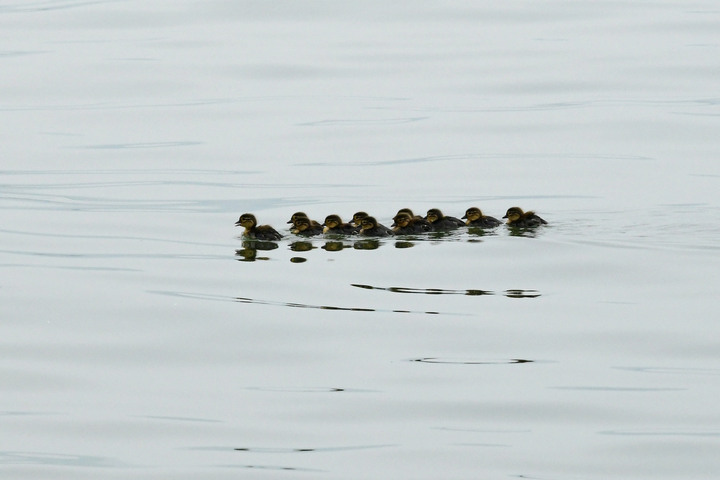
[(440, 222), (369, 227), (255, 231), (408, 224), (475, 218), (304, 227), (334, 225), (519, 219), (358, 218)]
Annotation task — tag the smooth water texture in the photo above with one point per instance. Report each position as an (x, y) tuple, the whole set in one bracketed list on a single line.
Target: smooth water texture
[(140, 337)]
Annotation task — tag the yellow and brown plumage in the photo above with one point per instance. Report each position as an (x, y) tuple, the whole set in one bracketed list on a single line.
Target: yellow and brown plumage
[(334, 225), (255, 231), (517, 218), (371, 228), (441, 222), (407, 224), (475, 218)]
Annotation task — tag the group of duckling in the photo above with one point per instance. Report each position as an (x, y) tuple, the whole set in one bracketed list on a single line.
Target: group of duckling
[(405, 222)]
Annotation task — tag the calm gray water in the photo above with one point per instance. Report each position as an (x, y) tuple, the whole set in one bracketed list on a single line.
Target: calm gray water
[(138, 341)]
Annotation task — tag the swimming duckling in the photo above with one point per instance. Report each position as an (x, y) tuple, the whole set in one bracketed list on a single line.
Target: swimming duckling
[(406, 224), (409, 212), (253, 230), (303, 226), (334, 224), (440, 222), (475, 218), (517, 218), (297, 215), (371, 228), (358, 217)]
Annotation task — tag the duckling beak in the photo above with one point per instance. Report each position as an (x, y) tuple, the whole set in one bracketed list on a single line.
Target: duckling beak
[(505, 216), (237, 224), (464, 216)]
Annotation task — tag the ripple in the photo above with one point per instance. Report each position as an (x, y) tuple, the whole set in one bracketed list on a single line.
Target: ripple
[(514, 293), (56, 459), (277, 303), (662, 433), (120, 146), (674, 370), (355, 121), (456, 361), (311, 449)]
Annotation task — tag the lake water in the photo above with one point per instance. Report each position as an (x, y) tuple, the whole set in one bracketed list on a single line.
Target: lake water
[(140, 338)]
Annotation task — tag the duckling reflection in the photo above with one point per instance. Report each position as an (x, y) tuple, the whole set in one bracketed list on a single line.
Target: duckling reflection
[(475, 218), (255, 231), (440, 222), (335, 246), (406, 224), (369, 227), (367, 244), (519, 219), (305, 228), (301, 246), (334, 225), (250, 248)]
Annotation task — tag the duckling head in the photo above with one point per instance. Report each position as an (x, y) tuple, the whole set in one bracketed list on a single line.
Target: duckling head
[(513, 214), (297, 215), (402, 219), (332, 221), (358, 217), (401, 212), (433, 215), (472, 214), (368, 223), (246, 220), (301, 224)]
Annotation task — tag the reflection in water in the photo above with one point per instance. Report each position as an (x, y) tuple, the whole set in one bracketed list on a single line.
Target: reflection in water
[(301, 246), (298, 259), (250, 248), (439, 291), (530, 232), (404, 244), (335, 246), (369, 244)]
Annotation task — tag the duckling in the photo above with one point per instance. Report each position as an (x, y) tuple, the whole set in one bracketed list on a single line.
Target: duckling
[(475, 218), (358, 217), (253, 230), (297, 215), (517, 218), (440, 222), (369, 227), (406, 224), (304, 226), (409, 212), (334, 224)]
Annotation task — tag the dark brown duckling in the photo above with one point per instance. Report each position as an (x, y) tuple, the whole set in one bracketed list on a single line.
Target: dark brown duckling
[(440, 222), (369, 227), (358, 217), (475, 218), (297, 215), (303, 226), (517, 218), (406, 224), (334, 225), (253, 230)]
